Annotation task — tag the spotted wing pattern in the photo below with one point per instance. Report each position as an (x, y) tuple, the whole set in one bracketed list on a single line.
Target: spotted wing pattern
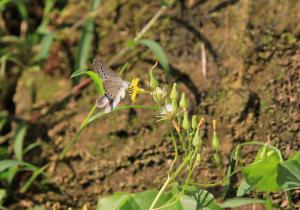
[(104, 72), (112, 88)]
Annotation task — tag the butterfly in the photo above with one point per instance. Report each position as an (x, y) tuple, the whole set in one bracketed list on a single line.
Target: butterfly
[(114, 87)]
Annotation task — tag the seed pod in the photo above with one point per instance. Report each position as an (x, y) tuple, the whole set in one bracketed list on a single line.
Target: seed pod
[(186, 122), (194, 121), (197, 141), (174, 93), (215, 142), (174, 106), (183, 104)]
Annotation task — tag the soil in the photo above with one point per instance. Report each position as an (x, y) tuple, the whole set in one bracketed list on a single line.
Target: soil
[(252, 89)]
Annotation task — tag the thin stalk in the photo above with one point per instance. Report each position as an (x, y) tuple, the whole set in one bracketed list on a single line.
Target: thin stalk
[(191, 167), (191, 170), (81, 129), (169, 180), (182, 143), (164, 187), (175, 148)]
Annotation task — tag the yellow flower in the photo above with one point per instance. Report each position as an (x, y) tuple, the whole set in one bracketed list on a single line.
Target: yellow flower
[(134, 89)]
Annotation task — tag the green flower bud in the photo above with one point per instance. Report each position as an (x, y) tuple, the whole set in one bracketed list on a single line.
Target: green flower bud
[(183, 104), (262, 154), (215, 142), (153, 80), (186, 122), (197, 141), (194, 121), (174, 93), (174, 106)]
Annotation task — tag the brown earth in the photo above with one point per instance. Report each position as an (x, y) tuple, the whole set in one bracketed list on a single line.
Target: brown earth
[(252, 89)]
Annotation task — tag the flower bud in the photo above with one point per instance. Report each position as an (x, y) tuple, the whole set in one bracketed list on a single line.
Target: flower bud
[(262, 154), (174, 93), (186, 122), (183, 104), (215, 142), (174, 106), (194, 121), (153, 80), (197, 141)]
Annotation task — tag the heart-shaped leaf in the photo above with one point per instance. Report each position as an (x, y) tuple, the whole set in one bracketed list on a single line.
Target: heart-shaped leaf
[(262, 173), (288, 173)]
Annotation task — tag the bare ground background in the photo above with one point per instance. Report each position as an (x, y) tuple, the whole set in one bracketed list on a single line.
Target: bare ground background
[(252, 90)]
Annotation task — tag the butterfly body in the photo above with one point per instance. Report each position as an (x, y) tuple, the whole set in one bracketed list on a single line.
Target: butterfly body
[(114, 87)]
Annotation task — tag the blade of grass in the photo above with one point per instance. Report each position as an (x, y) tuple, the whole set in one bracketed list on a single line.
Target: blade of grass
[(35, 174), (45, 47), (85, 42), (158, 52), (81, 129), (18, 140)]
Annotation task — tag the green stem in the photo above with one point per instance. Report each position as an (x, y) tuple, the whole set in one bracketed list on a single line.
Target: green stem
[(175, 148), (164, 187), (182, 143), (169, 180), (78, 134), (191, 170)]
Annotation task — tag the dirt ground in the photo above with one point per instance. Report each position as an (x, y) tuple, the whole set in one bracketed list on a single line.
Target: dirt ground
[(252, 89)]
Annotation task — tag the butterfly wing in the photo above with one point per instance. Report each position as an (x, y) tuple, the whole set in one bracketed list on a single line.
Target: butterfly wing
[(103, 71), (112, 88)]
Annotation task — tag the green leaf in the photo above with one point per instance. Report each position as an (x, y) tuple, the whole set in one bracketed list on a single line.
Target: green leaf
[(236, 202), (45, 46), (197, 198), (261, 174), (112, 202), (3, 196), (19, 139), (192, 198), (136, 201), (3, 119), (288, 173), (35, 174), (8, 176), (5, 164), (94, 76), (244, 187), (158, 52)]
